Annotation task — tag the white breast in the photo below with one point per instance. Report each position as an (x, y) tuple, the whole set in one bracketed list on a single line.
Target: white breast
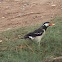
[(38, 38)]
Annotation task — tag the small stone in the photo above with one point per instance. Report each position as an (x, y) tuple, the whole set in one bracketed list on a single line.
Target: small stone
[(53, 5), (61, 8), (31, 12), (8, 28), (17, 0), (3, 17), (0, 41)]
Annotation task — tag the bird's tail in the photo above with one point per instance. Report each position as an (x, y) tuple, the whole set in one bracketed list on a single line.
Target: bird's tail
[(25, 37)]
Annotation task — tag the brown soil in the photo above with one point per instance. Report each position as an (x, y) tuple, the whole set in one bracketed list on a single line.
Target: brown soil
[(56, 59), (21, 13)]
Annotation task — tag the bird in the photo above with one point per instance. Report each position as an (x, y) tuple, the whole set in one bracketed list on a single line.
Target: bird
[(38, 33)]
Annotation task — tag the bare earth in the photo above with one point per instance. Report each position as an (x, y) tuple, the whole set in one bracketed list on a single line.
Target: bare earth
[(21, 13)]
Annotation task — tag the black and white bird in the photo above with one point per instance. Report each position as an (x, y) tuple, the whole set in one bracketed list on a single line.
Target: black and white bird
[(39, 33)]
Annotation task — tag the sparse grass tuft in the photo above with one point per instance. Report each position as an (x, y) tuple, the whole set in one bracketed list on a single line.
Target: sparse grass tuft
[(15, 49)]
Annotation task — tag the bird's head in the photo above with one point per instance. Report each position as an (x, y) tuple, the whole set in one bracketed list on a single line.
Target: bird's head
[(47, 24)]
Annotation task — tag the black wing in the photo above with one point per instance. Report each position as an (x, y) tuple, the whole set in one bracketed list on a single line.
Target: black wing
[(37, 32)]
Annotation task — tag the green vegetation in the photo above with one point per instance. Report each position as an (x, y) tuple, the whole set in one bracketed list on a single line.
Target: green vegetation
[(15, 49)]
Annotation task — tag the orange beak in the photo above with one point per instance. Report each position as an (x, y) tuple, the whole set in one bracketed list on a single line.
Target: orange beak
[(51, 24)]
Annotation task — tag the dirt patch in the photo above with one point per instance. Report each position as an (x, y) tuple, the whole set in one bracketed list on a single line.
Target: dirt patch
[(21, 13), (56, 59)]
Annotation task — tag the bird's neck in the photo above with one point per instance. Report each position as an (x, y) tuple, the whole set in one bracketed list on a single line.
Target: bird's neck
[(44, 27)]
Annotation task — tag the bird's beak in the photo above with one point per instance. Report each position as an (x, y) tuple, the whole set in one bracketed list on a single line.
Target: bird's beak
[(51, 24)]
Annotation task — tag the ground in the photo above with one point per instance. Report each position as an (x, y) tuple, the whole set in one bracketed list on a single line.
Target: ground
[(21, 13)]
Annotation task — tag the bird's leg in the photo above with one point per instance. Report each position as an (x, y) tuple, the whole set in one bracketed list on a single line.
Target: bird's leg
[(39, 45)]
